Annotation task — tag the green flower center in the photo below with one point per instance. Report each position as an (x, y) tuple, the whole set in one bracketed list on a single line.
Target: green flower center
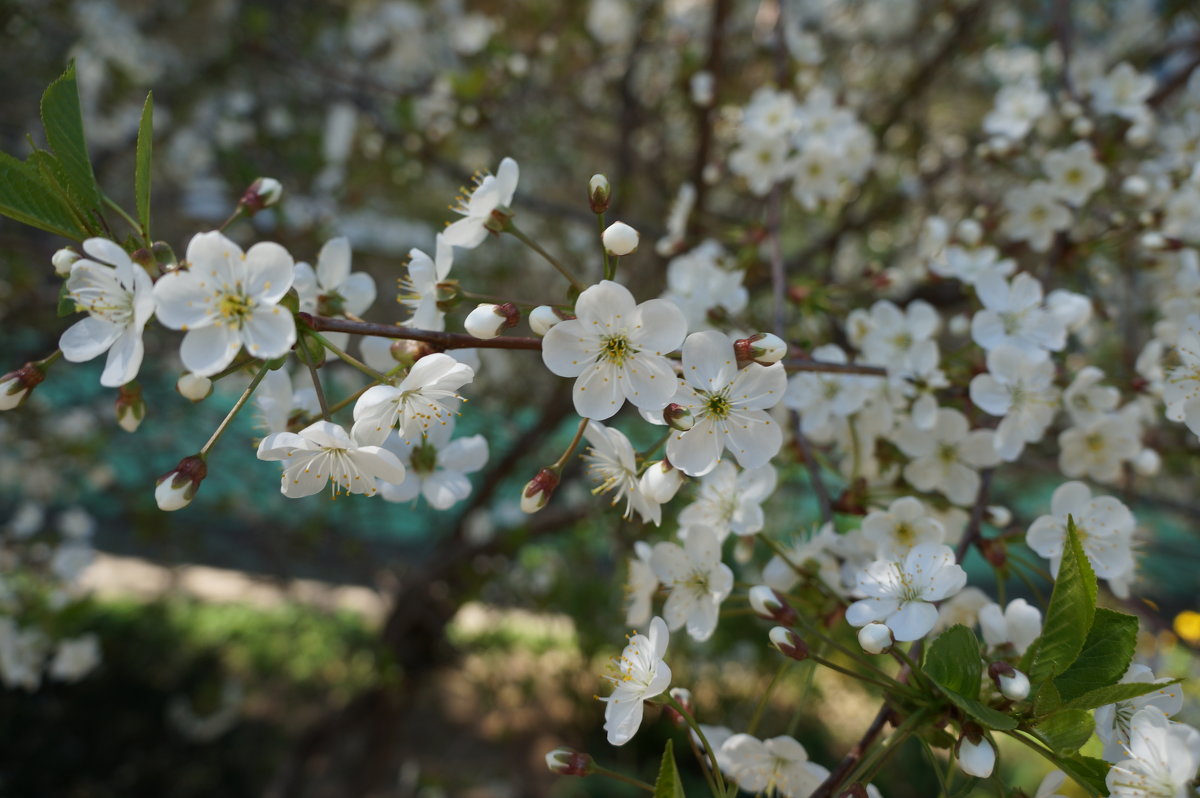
[(616, 349)]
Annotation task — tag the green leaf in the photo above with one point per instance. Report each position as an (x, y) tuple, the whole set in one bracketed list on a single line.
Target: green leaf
[(26, 198), (1066, 731), (667, 784), (1047, 700), (1069, 615), (1088, 772), (1105, 656), (953, 661), (64, 131), (1114, 693), (992, 718), (145, 148)]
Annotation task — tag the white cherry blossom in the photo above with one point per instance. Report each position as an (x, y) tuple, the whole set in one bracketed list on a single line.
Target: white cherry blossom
[(419, 288), (1162, 759), (1181, 387), (332, 289), (425, 398), (1104, 525), (778, 766), (436, 468), (1014, 314), (697, 580), (900, 593), (490, 192), (1073, 172), (612, 465), (641, 585), (323, 453), (823, 396), (1022, 390), (614, 348), (1113, 720), (730, 500), (1034, 214), (1016, 625), (1098, 449), (638, 673), (729, 406), (902, 526), (946, 458), (119, 300), (227, 299)]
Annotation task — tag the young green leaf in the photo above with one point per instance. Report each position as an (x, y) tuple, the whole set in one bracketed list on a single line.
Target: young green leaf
[(64, 131), (25, 197), (954, 663), (1114, 693), (1088, 772), (1069, 615), (141, 178), (667, 784), (1066, 731), (1105, 656)]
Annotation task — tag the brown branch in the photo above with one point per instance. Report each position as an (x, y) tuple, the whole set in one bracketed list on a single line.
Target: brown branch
[(442, 340), (804, 364), (704, 113), (839, 773), (975, 526)]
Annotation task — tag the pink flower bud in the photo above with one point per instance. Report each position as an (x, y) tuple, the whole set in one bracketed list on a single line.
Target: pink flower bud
[(569, 762), (263, 193), (16, 385), (678, 417)]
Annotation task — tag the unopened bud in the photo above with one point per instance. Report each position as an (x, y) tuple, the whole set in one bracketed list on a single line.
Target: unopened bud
[(16, 385), (543, 317), (619, 239), (969, 232), (537, 491), (1147, 462), (1082, 127), (487, 321), (683, 697), (406, 353), (569, 762), (788, 643), (769, 605), (63, 260), (761, 348), (999, 516), (1012, 683), (678, 417), (193, 387), (1153, 240), (263, 193), (599, 193), (130, 407), (875, 638), (976, 756), (660, 481), (177, 488), (1136, 186)]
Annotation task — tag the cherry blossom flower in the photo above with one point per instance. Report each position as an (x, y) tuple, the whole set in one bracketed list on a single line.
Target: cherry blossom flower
[(322, 453), (697, 580), (1035, 214), (1122, 92), (823, 396), (730, 500), (639, 673), (1181, 388), (1163, 757), (228, 299), (778, 766), (1018, 107), (1113, 720), (1014, 314), (904, 525), (946, 458), (615, 350), (1104, 525), (427, 397), (1074, 172), (119, 301), (1099, 448), (899, 593), (419, 289), (895, 332), (1022, 390), (728, 404), (490, 192), (1086, 399), (613, 466), (279, 403), (641, 585), (703, 280), (1017, 625), (436, 467)]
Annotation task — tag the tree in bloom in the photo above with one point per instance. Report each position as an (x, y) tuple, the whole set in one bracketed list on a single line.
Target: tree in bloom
[(226, 299), (614, 348)]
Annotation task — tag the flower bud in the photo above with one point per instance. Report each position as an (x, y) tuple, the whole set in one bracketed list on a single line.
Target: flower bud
[(538, 490), (543, 317), (1012, 684), (683, 697), (1136, 186), (619, 239), (1147, 462), (976, 756), (569, 762), (63, 260), (769, 605), (16, 385), (193, 387), (875, 638), (999, 516), (487, 321), (678, 417), (599, 193), (660, 481), (263, 193), (762, 348), (969, 232), (177, 489), (130, 407), (788, 643)]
